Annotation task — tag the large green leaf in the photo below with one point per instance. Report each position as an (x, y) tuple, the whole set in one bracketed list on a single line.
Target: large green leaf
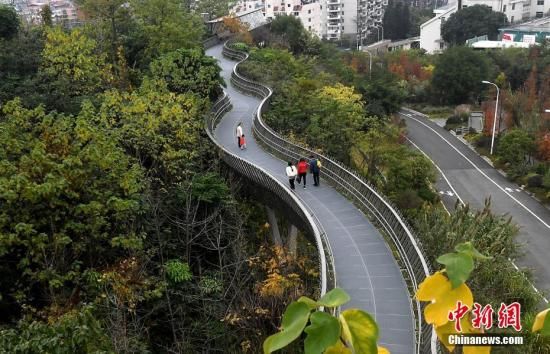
[(360, 331), (458, 267), (322, 333), (294, 320), (312, 304), (335, 297), (469, 249)]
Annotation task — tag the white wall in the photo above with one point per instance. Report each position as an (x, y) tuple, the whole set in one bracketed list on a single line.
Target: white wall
[(430, 31)]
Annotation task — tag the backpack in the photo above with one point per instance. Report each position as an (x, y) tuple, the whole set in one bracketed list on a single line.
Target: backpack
[(319, 164)]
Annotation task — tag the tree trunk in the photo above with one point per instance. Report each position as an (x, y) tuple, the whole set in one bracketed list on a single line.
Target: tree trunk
[(275, 234), (292, 240)]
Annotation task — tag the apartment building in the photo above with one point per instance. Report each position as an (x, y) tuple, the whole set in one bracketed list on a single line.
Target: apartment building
[(515, 11), (331, 19), (64, 12)]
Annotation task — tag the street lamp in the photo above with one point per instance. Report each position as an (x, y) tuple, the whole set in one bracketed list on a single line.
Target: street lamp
[(378, 27), (496, 109), (370, 64), (547, 110)]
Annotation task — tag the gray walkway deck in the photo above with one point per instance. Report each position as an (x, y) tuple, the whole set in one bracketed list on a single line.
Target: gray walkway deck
[(364, 264)]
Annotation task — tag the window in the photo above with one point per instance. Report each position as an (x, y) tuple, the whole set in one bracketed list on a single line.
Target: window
[(288, 5), (540, 2), (269, 6), (309, 28), (539, 14), (308, 11), (512, 19), (513, 6), (464, 6), (441, 45), (504, 8), (309, 20)]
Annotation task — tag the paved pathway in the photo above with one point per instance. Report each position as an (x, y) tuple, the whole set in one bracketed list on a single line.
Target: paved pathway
[(466, 175), (365, 266)]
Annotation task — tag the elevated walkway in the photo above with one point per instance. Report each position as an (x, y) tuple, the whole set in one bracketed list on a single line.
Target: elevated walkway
[(363, 263)]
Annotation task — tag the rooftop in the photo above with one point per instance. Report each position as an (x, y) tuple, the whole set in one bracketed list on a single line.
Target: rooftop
[(537, 25)]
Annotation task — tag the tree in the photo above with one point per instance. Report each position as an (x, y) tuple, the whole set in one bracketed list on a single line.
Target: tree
[(161, 129), (397, 20), (167, 26), (291, 31), (9, 22), (458, 74), (470, 22), (515, 148), (46, 15), (69, 198), (71, 68), (189, 70)]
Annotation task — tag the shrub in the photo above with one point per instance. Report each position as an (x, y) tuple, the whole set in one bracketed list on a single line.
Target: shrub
[(243, 47), (534, 180)]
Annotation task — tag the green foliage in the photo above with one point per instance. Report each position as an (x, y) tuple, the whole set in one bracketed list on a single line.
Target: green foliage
[(189, 70), (46, 15), (460, 264), (397, 20), (295, 319), (472, 21), (325, 333), (77, 331), (514, 148), (178, 271), (159, 128), (458, 74), (19, 62), (9, 22), (66, 191), (291, 31), (240, 46), (167, 26), (493, 282)]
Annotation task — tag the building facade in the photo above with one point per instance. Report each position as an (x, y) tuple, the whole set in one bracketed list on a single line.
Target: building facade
[(515, 11)]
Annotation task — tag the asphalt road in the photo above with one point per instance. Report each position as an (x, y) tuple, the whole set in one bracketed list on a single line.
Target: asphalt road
[(465, 175)]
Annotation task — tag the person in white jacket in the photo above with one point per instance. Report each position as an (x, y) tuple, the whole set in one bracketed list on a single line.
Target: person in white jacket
[(239, 133), (291, 172)]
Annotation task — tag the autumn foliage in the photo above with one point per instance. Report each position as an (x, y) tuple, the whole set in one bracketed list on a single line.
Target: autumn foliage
[(239, 29), (408, 67)]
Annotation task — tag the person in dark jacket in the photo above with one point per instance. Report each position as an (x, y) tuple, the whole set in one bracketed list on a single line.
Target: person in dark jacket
[(314, 168)]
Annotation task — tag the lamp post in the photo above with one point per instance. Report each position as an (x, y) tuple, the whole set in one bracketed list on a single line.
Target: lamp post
[(496, 109), (370, 63)]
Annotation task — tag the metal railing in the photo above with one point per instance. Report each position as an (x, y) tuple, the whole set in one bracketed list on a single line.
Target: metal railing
[(355, 187), (263, 178)]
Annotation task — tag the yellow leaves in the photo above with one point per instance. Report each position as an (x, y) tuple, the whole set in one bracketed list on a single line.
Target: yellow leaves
[(539, 320), (437, 289), (341, 93), (382, 350)]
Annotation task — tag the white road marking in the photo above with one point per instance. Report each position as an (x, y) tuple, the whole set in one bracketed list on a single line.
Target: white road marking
[(458, 196), (480, 171), (439, 169)]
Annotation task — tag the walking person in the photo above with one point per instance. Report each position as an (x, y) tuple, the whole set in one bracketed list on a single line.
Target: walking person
[(302, 171), (239, 133), (291, 172), (243, 142), (315, 169)]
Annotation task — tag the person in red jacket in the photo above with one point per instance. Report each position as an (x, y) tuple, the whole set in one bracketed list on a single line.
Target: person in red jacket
[(302, 171)]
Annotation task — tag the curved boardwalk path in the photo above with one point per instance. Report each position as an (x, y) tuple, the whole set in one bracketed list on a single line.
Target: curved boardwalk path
[(364, 264)]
